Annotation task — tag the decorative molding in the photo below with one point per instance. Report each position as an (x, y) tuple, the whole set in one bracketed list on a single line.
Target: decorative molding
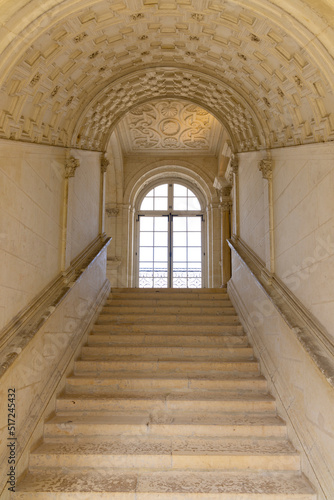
[(22, 328), (308, 331), (112, 212), (104, 163), (71, 164)]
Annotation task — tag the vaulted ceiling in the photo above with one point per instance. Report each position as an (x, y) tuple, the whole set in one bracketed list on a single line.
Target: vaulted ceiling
[(71, 70)]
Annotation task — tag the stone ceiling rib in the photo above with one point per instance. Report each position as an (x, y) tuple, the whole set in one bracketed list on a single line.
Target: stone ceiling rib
[(275, 86)]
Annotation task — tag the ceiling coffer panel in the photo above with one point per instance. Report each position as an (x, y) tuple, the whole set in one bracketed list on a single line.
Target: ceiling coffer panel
[(254, 68)]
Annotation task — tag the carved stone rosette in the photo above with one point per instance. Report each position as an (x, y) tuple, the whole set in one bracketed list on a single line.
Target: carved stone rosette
[(71, 164)]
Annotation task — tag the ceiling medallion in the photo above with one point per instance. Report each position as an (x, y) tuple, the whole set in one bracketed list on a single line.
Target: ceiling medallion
[(170, 127)]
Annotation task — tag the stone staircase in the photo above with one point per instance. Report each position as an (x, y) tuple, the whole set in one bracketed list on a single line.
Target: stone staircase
[(166, 403)]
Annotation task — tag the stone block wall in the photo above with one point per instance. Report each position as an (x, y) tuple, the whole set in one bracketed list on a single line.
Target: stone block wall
[(31, 198)]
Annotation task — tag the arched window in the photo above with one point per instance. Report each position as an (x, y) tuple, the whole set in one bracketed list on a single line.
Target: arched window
[(170, 246)]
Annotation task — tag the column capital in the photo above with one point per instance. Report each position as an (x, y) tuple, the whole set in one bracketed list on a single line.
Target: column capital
[(104, 162), (234, 162), (266, 167), (71, 164), (226, 205)]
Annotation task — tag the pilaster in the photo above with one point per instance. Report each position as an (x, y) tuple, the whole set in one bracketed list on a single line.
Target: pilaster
[(266, 168), (71, 164)]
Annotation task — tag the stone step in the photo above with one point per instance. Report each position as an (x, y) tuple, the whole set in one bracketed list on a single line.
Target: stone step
[(223, 301), (120, 484), (163, 423), (168, 401), (168, 352), (169, 453), (167, 329), (199, 341), (160, 309), (153, 365), (137, 380), (168, 319)]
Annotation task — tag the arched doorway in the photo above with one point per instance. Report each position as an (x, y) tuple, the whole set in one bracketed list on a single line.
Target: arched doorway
[(170, 232)]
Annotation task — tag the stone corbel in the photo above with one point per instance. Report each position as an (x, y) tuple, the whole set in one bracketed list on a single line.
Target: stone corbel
[(104, 163), (266, 167), (71, 164)]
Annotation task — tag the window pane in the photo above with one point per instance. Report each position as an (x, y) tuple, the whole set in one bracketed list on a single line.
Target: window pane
[(160, 267), (146, 254), (180, 190), (194, 223), (147, 204), (179, 223), (193, 204), (180, 204), (145, 267), (179, 266), (146, 223), (180, 254), (146, 238), (160, 203), (160, 254), (194, 254), (180, 239), (195, 267), (195, 239), (161, 190), (161, 224), (161, 239)]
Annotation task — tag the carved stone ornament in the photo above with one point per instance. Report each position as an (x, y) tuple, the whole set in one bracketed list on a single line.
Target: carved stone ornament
[(266, 167), (226, 205), (71, 165), (234, 164), (112, 211), (226, 191), (104, 164)]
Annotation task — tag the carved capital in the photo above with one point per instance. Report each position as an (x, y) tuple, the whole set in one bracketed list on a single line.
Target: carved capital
[(234, 163), (226, 191), (104, 163), (226, 205), (112, 211), (71, 164), (266, 167)]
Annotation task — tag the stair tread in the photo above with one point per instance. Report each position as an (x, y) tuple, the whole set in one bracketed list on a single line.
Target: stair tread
[(152, 444), (118, 480), (127, 375), (162, 357), (173, 396), (168, 418)]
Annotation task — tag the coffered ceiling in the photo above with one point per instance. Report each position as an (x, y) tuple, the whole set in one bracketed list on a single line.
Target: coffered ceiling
[(72, 74)]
